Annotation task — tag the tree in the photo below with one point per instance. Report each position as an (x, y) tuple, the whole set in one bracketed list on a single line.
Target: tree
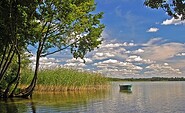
[(14, 28), (47, 25), (59, 25), (174, 8)]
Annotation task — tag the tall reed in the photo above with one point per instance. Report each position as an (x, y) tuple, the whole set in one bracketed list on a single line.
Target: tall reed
[(62, 79)]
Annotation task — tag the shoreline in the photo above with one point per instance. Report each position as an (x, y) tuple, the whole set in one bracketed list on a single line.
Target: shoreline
[(148, 79), (60, 88)]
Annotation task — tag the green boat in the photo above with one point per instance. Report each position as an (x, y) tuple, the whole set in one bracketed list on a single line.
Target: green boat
[(125, 86)]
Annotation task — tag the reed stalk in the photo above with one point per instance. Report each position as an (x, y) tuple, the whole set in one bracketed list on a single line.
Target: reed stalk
[(62, 79)]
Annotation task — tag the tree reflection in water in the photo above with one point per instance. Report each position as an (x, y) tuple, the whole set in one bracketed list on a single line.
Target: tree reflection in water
[(52, 101), (15, 106), (33, 107), (8, 106)]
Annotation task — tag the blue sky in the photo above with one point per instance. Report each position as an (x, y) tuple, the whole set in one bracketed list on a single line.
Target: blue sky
[(138, 42), (129, 20)]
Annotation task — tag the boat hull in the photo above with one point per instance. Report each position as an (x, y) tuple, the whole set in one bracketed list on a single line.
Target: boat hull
[(125, 87)]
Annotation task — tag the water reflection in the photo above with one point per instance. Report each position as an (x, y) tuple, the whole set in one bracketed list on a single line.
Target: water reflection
[(126, 91), (153, 97), (51, 102), (6, 108), (145, 97), (12, 106)]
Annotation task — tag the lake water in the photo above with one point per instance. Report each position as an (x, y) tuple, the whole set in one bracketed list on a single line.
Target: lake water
[(145, 97)]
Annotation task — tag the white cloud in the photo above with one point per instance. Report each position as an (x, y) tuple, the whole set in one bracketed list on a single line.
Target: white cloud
[(180, 54), (76, 65), (160, 70), (110, 61), (173, 21), (138, 51), (153, 29), (110, 50), (99, 54), (45, 63), (114, 45), (118, 67), (70, 64), (102, 55), (79, 60), (126, 59), (138, 59), (119, 59), (163, 51), (153, 41), (134, 58), (166, 64)]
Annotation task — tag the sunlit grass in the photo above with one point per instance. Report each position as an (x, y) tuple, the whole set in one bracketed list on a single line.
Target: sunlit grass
[(63, 79)]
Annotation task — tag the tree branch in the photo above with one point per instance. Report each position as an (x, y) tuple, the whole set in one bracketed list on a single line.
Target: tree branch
[(56, 51)]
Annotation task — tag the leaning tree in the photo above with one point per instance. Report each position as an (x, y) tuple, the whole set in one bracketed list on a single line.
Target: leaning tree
[(15, 16), (49, 26), (63, 24)]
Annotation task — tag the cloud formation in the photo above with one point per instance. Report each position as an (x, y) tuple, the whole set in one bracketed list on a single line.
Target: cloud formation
[(45, 63), (161, 70), (125, 59), (153, 29), (153, 41), (181, 54), (163, 51), (173, 21)]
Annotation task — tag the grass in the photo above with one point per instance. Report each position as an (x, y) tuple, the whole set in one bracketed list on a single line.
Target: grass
[(63, 79)]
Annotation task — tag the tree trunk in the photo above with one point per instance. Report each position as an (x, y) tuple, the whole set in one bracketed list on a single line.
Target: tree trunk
[(7, 62), (3, 56), (15, 79), (29, 90)]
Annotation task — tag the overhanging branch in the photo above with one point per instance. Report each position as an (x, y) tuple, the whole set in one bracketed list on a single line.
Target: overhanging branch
[(56, 50)]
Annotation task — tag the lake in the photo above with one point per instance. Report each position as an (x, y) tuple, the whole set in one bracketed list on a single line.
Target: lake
[(145, 97)]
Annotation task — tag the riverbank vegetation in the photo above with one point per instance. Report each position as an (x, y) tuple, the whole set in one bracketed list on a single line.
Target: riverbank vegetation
[(63, 79), (47, 26)]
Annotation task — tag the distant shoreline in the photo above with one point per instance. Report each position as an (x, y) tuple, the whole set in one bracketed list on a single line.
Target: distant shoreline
[(148, 79)]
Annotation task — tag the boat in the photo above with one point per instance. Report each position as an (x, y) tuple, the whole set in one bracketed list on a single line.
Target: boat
[(125, 86)]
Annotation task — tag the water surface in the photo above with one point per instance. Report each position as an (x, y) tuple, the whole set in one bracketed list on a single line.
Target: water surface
[(145, 97)]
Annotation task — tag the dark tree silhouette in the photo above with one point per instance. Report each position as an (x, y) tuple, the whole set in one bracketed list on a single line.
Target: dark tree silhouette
[(174, 8)]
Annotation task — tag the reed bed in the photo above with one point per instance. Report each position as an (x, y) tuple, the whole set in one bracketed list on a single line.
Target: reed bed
[(63, 79)]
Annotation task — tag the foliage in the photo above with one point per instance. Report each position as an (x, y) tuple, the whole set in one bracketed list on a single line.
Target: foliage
[(174, 8), (48, 25), (67, 24), (12, 70), (65, 78), (14, 24), (61, 25)]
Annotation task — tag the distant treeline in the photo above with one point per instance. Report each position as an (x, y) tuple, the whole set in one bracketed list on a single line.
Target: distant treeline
[(149, 79)]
